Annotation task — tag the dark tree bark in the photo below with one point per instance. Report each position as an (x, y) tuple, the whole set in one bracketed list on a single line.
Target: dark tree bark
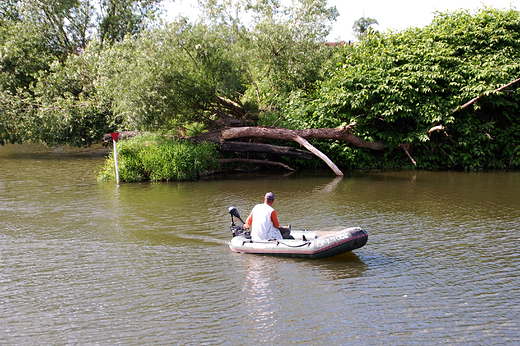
[(277, 133), (299, 136), (260, 162), (265, 148)]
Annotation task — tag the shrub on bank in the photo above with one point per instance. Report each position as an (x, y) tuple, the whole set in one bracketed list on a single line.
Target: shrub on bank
[(157, 158)]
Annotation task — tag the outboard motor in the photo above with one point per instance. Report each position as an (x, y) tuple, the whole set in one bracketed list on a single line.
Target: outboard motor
[(236, 229), (234, 212)]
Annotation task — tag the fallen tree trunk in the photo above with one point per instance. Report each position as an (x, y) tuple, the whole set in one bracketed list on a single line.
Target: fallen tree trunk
[(277, 133), (261, 162), (223, 136), (318, 153), (265, 148), (299, 136), (281, 134)]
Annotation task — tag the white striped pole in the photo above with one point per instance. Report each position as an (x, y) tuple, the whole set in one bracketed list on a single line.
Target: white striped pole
[(115, 135)]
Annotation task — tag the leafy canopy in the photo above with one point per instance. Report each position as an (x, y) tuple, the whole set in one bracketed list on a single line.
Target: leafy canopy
[(397, 86), (363, 26)]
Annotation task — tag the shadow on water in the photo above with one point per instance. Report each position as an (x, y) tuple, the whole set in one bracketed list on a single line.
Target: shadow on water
[(40, 152)]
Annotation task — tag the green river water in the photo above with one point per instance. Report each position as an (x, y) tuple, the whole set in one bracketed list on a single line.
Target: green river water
[(88, 263)]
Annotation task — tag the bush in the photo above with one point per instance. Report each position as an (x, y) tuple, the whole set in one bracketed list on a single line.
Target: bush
[(398, 86), (158, 158)]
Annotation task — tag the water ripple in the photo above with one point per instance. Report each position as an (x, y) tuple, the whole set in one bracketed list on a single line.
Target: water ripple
[(83, 262)]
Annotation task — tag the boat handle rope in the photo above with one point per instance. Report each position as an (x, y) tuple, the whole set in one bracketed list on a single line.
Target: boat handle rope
[(277, 243), (281, 242)]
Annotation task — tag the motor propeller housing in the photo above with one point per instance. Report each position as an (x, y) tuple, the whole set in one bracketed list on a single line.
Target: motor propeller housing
[(234, 212)]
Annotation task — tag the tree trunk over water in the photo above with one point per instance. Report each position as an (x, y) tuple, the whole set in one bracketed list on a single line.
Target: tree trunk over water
[(318, 153), (223, 136), (277, 133), (299, 136), (259, 162), (265, 148)]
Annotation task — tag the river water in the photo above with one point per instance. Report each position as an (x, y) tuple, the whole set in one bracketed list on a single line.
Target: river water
[(86, 262)]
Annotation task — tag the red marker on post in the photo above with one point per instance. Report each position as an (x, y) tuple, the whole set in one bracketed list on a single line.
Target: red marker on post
[(115, 136)]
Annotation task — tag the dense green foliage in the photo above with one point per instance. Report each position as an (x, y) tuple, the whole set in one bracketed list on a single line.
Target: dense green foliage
[(48, 91), (24, 54), (170, 77), (177, 76), (397, 86), (213, 73), (125, 17), (72, 74), (69, 25), (156, 158)]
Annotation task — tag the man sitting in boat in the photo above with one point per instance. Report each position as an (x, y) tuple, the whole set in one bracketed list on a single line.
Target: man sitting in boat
[(264, 225)]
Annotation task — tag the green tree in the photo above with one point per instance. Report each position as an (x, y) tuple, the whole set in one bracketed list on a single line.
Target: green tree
[(42, 100), (24, 54), (67, 24), (70, 24), (397, 87), (125, 17), (69, 107), (9, 11), (212, 73), (363, 26), (172, 77), (281, 47)]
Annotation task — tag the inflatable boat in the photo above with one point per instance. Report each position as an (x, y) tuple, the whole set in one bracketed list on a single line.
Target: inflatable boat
[(322, 243)]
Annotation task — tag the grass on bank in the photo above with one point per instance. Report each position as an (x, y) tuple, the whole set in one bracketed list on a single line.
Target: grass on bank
[(158, 158)]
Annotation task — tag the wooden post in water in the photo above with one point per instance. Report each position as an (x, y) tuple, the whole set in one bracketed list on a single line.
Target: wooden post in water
[(115, 135)]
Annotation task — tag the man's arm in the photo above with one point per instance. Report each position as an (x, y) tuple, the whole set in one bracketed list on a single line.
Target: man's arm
[(274, 219), (249, 220)]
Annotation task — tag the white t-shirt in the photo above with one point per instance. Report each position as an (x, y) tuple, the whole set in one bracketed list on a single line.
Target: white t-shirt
[(262, 227)]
